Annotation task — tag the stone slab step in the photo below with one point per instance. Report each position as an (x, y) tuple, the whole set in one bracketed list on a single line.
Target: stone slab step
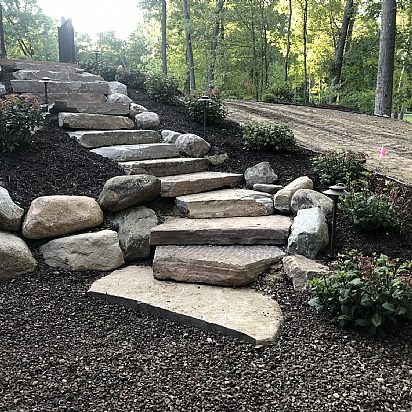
[(226, 203), (261, 230), (94, 98), (166, 167), (234, 265), (73, 106), (186, 184), (242, 313), (124, 153), (56, 75), (98, 138), (40, 65), (94, 121)]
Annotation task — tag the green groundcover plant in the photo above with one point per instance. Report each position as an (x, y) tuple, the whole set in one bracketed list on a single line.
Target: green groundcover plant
[(373, 293), (266, 136)]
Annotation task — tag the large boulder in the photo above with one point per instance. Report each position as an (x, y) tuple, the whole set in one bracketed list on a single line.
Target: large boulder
[(192, 145), (307, 198), (309, 233), (87, 251), (260, 173), (119, 98), (122, 192), (51, 216), (136, 109), (15, 257), (134, 231), (147, 120), (283, 197), (117, 87), (10, 213), (170, 136)]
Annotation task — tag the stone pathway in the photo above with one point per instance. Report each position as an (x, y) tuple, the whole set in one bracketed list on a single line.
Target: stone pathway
[(326, 129)]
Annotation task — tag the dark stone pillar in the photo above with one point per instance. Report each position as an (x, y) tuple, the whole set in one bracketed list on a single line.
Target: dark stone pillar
[(66, 42)]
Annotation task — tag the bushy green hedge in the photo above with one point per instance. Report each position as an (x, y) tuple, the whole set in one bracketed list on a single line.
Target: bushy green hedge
[(162, 88), (215, 113), (133, 78), (266, 136)]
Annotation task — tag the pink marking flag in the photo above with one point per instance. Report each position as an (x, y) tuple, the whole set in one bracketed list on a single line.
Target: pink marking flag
[(383, 152)]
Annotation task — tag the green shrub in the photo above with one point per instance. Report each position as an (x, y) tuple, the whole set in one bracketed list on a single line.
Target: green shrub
[(277, 137), (133, 79), (106, 70), (268, 97), (19, 116), (339, 165), (215, 113), (162, 88), (281, 93), (365, 292)]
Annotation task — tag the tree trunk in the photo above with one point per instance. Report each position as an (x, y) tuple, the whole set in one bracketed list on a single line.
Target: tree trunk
[(189, 49), (384, 82), (288, 42), (305, 52), (164, 37), (214, 42)]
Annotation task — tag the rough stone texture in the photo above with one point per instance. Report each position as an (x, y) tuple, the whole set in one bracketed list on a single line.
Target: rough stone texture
[(15, 257), (134, 231), (135, 109), (214, 265), (217, 159), (34, 86), (226, 203), (307, 198), (51, 216), (94, 121), (97, 138), (55, 75), (2, 89), (121, 192), (262, 230), (170, 136), (147, 120), (119, 98), (117, 87), (124, 153), (66, 96), (88, 251), (186, 184), (300, 269), (45, 65), (242, 313), (283, 197), (192, 145), (10, 213), (260, 173), (266, 188), (165, 167), (73, 106), (309, 235)]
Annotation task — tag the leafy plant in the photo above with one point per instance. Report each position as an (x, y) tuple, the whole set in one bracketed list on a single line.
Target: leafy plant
[(365, 292), (133, 79), (19, 116), (106, 70), (277, 137), (162, 88), (281, 93), (215, 113), (339, 165)]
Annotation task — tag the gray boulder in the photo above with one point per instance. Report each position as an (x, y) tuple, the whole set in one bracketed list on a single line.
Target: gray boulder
[(283, 197), (2, 89), (15, 257), (307, 198), (10, 213), (119, 98), (267, 188), (117, 87), (122, 192), (192, 145), (134, 231), (260, 173), (169, 136), (147, 121), (309, 233), (217, 159), (136, 109)]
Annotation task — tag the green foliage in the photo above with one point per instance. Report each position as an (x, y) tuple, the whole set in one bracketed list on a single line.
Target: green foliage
[(339, 166), (215, 113), (107, 71), (18, 118), (266, 136), (281, 93), (374, 293), (133, 79), (162, 88)]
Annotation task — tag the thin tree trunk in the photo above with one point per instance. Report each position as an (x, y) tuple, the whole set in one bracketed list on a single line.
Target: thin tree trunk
[(164, 37), (214, 42), (288, 41), (305, 51), (189, 49), (384, 82), (350, 30)]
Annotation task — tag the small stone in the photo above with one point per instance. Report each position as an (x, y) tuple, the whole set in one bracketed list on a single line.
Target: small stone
[(192, 145), (267, 188), (119, 98), (336, 395), (260, 173), (2, 89), (217, 159), (136, 109), (147, 120), (169, 136)]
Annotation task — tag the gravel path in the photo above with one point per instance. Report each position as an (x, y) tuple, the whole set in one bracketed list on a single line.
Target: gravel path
[(63, 351), (326, 129)]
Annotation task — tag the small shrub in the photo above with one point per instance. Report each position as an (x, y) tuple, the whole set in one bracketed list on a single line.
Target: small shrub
[(106, 70), (216, 111), (277, 137), (365, 292), (268, 97), (282, 93), (133, 79), (19, 116), (339, 165), (162, 88)]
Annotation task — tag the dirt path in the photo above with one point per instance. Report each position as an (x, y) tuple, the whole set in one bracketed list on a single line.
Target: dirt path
[(326, 129)]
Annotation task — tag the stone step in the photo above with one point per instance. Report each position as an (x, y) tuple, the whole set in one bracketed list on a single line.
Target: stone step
[(36, 86), (242, 313), (98, 138), (226, 203), (124, 153), (166, 167), (56, 75), (234, 265), (93, 98), (261, 230), (40, 65), (186, 184), (72, 106), (94, 121)]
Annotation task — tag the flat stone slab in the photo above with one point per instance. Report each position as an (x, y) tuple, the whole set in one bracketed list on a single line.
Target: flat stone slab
[(72, 106), (98, 138), (215, 265), (40, 65), (56, 75), (262, 230), (241, 313), (165, 167), (57, 86), (226, 203), (186, 184), (123, 153), (94, 121), (81, 97)]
